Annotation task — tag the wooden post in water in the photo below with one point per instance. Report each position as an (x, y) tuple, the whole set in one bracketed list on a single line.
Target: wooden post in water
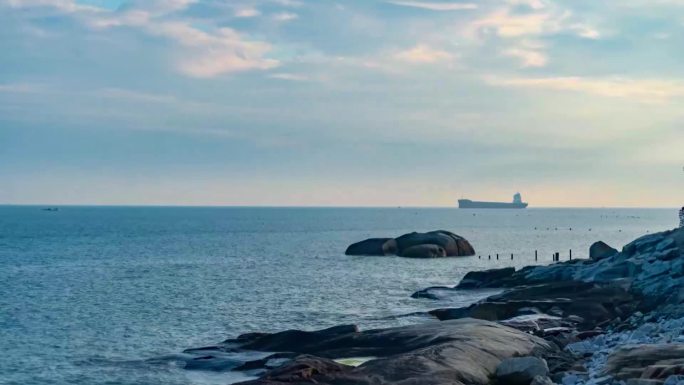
[(497, 256), (511, 256), (490, 257), (571, 254), (535, 255)]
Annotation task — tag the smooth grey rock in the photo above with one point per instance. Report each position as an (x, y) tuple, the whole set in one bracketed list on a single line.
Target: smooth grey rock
[(372, 246), (600, 250), (424, 251), (521, 370), (454, 245)]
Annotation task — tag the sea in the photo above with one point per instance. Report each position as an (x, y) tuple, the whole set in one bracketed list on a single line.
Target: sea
[(95, 295)]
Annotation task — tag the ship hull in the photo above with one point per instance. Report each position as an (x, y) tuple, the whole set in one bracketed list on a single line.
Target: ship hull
[(468, 204)]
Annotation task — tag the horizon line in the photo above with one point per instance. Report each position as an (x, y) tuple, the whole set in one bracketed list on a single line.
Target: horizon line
[(162, 205)]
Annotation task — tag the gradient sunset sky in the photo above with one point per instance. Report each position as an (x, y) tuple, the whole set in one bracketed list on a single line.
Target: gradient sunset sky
[(359, 102)]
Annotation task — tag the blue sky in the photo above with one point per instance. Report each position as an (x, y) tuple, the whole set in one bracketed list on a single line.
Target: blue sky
[(373, 102)]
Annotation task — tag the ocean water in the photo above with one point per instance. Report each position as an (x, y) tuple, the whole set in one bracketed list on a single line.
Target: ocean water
[(89, 294)]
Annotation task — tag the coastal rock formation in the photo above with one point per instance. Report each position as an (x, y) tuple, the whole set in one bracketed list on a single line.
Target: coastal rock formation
[(600, 250), (562, 312), (651, 266), (424, 251), (433, 244), (585, 304), (616, 318), (465, 351)]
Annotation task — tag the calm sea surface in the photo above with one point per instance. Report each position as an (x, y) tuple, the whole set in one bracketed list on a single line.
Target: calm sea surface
[(88, 294)]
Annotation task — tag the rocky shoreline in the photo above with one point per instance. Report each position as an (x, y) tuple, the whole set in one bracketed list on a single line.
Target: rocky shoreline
[(615, 318)]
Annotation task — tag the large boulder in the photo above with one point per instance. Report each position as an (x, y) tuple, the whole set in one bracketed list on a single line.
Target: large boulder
[(424, 251), (433, 244), (521, 370), (600, 250), (453, 244), (373, 246)]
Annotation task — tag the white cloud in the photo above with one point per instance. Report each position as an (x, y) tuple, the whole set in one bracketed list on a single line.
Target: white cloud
[(504, 23), (528, 57), (423, 54), (432, 6), (247, 12), (534, 4), (62, 5), (643, 90), (211, 55), (586, 31), (288, 3), (288, 76), (539, 20), (530, 53), (205, 53), (285, 16)]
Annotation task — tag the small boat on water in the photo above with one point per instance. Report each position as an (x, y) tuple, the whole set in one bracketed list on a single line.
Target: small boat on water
[(51, 209), (470, 204)]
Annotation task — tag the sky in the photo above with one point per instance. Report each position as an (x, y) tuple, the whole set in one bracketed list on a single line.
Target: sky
[(574, 103)]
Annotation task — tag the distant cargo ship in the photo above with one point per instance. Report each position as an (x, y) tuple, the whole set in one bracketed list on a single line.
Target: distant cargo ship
[(516, 204)]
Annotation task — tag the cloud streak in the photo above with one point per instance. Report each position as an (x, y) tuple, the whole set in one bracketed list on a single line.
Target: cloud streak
[(644, 90), (433, 6)]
